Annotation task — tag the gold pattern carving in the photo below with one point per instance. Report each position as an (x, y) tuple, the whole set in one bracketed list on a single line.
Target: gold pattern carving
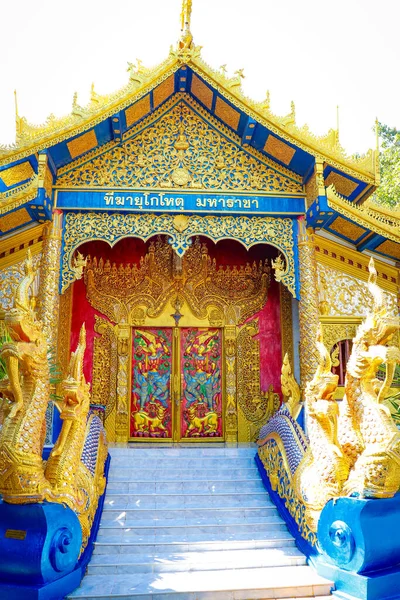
[(290, 389), (137, 111), (17, 173), (311, 189), (82, 144), (163, 91), (279, 149), (347, 228), (384, 223), (349, 296), (14, 219), (255, 407), (45, 178), (122, 410), (343, 185), (180, 139), (389, 247), (335, 332), (226, 113), (353, 263), (118, 292), (286, 323), (80, 227), (11, 199), (64, 330), (105, 366), (308, 306), (231, 413), (11, 277), (48, 297), (202, 91)]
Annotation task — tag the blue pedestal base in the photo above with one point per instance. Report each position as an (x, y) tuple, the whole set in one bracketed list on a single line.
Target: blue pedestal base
[(39, 549), (359, 548), (55, 590)]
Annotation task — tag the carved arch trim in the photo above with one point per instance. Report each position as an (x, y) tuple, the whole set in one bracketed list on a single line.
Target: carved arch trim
[(180, 229)]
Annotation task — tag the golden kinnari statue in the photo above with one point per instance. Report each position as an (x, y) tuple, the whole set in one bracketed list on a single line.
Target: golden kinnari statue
[(24, 477)]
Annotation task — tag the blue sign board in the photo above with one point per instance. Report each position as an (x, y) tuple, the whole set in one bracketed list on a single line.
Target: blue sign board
[(193, 202)]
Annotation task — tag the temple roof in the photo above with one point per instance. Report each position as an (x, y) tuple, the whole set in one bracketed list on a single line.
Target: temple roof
[(29, 169)]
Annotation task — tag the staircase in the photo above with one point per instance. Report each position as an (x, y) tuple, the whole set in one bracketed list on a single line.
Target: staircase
[(193, 523)]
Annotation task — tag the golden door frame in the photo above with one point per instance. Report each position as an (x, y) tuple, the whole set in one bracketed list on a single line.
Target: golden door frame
[(150, 294)]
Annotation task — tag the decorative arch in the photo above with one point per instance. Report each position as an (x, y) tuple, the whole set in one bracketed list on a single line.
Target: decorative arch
[(180, 229)]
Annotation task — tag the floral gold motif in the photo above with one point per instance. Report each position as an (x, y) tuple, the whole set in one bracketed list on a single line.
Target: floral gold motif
[(14, 219), (81, 227), (17, 173), (178, 150)]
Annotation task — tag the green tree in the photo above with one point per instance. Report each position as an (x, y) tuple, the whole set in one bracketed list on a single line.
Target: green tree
[(388, 193)]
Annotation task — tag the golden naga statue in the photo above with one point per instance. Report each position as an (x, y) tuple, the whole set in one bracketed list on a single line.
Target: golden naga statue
[(290, 389), (354, 451), (24, 476), (324, 468), (366, 431)]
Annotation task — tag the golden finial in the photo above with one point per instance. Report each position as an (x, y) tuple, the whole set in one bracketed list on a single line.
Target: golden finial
[(186, 14), (16, 103), (18, 124)]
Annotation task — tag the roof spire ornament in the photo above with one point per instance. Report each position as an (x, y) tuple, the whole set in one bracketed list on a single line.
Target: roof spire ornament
[(18, 124), (186, 36)]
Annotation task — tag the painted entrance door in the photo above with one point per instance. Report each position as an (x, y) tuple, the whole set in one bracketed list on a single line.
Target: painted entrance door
[(176, 384), (151, 406), (201, 401)]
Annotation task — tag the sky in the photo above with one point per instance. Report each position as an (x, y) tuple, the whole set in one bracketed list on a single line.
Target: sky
[(319, 54)]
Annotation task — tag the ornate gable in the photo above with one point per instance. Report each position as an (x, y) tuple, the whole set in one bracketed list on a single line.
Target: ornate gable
[(180, 147)]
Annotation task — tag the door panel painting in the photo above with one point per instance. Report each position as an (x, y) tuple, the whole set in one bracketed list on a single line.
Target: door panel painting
[(151, 410), (201, 403)]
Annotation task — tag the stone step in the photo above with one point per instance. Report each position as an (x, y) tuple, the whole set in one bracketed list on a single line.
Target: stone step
[(191, 451), (163, 501), (184, 487), (230, 584), (188, 532), (184, 522), (191, 515), (279, 539), (122, 564), (137, 464), (129, 473)]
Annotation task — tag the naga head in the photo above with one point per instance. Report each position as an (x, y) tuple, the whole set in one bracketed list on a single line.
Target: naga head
[(75, 388), (21, 319), (379, 326), (324, 383)]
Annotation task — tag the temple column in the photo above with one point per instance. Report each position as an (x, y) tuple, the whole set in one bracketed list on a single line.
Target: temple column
[(308, 305), (48, 297)]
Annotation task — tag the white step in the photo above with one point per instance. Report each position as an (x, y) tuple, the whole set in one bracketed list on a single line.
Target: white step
[(235, 584), (220, 473), (103, 564), (193, 523)]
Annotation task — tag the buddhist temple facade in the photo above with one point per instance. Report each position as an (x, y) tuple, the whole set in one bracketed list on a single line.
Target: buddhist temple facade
[(178, 266)]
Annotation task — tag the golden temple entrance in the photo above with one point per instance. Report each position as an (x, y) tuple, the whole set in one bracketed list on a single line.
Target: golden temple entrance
[(181, 348), (176, 390)]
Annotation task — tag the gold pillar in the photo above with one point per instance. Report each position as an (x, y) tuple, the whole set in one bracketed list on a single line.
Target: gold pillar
[(123, 387), (308, 306), (48, 297), (231, 415)]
